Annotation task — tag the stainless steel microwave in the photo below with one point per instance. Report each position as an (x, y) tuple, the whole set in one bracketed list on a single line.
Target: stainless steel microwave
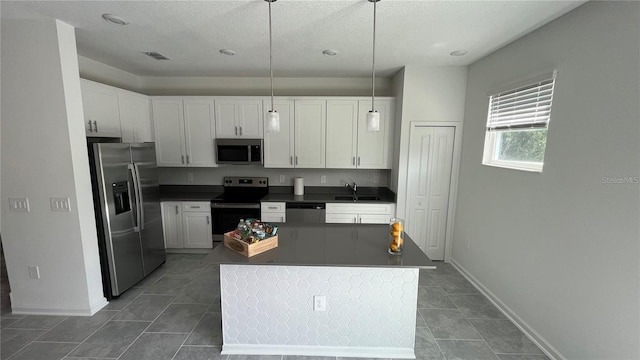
[(239, 151)]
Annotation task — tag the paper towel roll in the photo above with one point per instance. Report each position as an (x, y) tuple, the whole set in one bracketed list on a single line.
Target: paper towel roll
[(298, 186)]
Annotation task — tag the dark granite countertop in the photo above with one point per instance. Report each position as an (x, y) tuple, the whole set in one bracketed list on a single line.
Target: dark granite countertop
[(189, 192), (330, 245)]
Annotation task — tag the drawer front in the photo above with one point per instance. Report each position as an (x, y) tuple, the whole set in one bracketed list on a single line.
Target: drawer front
[(270, 207), (196, 206), (377, 209), (274, 217)]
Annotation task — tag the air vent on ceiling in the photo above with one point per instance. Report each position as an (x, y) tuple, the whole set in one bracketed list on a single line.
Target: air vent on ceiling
[(156, 55)]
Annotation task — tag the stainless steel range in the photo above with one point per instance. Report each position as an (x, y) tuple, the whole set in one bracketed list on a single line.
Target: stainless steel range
[(240, 200)]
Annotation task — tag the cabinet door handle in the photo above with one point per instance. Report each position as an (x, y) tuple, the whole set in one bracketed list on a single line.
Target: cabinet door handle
[(177, 210), (291, 160), (95, 125), (272, 207), (90, 128), (355, 220), (296, 160), (195, 207), (353, 161), (358, 160), (208, 222), (183, 159), (360, 220), (236, 130), (188, 161), (240, 130)]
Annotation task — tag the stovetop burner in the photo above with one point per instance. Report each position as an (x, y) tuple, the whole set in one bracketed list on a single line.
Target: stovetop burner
[(243, 190)]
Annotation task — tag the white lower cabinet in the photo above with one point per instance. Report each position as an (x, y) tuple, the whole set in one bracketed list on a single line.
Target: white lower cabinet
[(187, 224), (273, 212), (344, 213)]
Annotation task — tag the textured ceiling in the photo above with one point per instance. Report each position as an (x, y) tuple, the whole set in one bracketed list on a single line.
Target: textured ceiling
[(191, 33)]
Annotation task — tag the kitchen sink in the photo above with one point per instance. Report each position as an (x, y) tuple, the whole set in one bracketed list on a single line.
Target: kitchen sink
[(352, 198)]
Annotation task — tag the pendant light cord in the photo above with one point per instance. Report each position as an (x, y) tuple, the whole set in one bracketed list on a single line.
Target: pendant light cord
[(270, 56), (373, 65)]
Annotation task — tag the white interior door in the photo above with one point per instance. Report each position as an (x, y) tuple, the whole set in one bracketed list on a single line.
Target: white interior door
[(428, 182)]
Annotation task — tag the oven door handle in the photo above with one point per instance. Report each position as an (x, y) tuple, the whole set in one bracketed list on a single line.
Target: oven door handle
[(234, 206)]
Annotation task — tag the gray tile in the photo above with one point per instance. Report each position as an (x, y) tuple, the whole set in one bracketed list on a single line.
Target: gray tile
[(420, 321), (347, 358), (216, 304), (145, 307), (208, 331), (476, 306), (154, 347), (198, 293), (77, 328), (444, 268), (111, 340), (449, 324), (44, 351), (433, 298), (200, 353), (466, 350), (504, 337), (13, 340), (294, 357), (168, 285), (186, 268), (522, 357), (37, 322), (429, 353), (4, 322), (178, 318), (455, 283), (123, 300), (424, 338), (266, 357), (151, 278), (427, 278)]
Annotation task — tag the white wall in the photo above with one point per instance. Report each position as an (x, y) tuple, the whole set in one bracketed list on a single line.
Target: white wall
[(44, 155), (334, 177), (560, 249), (433, 94)]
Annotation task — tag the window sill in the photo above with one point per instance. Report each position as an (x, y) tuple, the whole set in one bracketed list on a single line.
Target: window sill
[(522, 166)]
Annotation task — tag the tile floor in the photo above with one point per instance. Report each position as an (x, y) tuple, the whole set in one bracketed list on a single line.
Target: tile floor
[(174, 315)]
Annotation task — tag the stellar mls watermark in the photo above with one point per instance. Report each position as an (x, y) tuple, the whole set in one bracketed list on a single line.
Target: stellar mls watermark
[(620, 179)]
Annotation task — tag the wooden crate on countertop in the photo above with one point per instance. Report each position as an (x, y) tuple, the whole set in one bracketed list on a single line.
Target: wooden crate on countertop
[(247, 249)]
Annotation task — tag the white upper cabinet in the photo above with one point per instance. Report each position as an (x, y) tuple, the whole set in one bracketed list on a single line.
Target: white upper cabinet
[(101, 115), (374, 148), (310, 133), (342, 133), (184, 131), (135, 117), (279, 146), (349, 144), (238, 118)]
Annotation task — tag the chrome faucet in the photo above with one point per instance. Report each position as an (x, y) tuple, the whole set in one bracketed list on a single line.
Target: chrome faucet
[(353, 188)]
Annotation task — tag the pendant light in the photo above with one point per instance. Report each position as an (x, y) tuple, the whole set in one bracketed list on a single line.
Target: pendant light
[(373, 116), (273, 118)]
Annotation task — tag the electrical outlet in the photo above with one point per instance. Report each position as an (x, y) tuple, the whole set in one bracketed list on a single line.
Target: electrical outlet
[(281, 179), (323, 179), (19, 204), (319, 303), (34, 272), (190, 176), (60, 204)]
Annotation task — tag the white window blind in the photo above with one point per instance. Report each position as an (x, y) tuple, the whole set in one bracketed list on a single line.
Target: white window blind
[(525, 107)]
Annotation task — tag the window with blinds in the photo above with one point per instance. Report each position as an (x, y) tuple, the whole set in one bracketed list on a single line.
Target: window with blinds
[(517, 123)]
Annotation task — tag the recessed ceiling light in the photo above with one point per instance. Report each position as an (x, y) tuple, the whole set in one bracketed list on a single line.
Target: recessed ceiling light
[(115, 19), (227, 52), (459, 53), (330, 52)]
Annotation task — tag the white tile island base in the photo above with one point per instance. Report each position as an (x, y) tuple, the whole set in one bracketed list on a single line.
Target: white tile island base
[(269, 310)]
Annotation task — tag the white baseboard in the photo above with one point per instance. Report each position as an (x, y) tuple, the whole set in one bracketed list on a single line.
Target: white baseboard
[(94, 308), (533, 335), (333, 351)]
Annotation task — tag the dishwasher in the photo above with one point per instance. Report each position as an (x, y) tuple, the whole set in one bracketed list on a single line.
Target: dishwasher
[(306, 213)]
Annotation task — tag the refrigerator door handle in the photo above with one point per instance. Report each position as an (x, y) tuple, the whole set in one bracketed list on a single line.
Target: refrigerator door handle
[(136, 192), (139, 194)]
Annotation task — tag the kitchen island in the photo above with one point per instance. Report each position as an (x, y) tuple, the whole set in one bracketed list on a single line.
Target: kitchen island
[(329, 289)]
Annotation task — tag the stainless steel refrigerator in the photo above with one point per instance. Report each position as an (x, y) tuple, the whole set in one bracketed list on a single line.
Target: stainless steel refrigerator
[(127, 204)]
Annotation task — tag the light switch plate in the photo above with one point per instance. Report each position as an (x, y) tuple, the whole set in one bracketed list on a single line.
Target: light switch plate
[(19, 204), (34, 272), (60, 204)]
